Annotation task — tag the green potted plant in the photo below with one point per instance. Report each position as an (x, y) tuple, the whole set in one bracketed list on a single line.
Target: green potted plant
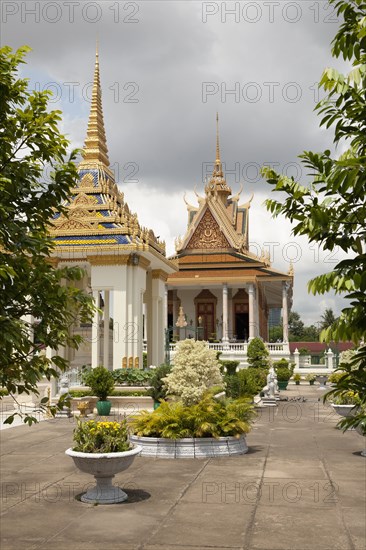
[(297, 379), (310, 378), (102, 449), (347, 403), (283, 376), (101, 382)]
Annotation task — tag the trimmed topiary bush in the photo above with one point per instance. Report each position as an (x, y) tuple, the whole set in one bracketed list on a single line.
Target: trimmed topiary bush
[(258, 354)]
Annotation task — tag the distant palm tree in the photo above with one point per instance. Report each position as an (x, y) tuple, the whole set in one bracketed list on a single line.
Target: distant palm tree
[(327, 319)]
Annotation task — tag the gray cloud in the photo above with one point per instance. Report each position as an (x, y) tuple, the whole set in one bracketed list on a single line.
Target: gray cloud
[(160, 114)]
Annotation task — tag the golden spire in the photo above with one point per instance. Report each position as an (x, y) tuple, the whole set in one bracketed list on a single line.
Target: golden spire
[(217, 184), (217, 139), (218, 166), (95, 150)]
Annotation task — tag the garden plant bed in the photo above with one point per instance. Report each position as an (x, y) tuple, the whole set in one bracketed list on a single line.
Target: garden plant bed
[(204, 447)]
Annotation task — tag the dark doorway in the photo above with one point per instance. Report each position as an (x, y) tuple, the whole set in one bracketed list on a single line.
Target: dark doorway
[(241, 326)]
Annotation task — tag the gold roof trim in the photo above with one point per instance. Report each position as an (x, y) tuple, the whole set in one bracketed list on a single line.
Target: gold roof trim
[(159, 274)]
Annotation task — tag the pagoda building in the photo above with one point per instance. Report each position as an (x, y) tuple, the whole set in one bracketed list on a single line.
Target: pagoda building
[(125, 264), (226, 291)]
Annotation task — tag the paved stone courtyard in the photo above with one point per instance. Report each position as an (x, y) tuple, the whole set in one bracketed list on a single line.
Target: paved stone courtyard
[(300, 487)]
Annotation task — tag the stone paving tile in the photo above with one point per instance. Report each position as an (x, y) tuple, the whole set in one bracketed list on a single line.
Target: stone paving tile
[(223, 489), (295, 469), (167, 508), (204, 525), (356, 525), (291, 528)]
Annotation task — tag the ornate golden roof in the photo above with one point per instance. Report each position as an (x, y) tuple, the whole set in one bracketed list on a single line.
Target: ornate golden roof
[(97, 214), (219, 222)]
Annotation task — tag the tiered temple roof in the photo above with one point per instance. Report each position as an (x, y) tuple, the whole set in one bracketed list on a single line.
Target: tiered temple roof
[(97, 214)]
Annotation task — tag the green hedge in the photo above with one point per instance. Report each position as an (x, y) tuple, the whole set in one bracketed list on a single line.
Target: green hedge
[(115, 393)]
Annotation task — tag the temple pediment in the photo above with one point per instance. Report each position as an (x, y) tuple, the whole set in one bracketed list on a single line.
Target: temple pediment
[(208, 234)]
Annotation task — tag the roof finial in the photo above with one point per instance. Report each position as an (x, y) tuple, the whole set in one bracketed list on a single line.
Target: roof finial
[(217, 140), (95, 150)]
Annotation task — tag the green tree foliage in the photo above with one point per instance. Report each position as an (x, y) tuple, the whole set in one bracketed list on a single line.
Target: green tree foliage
[(331, 209), (295, 327), (100, 380), (30, 287), (258, 354), (158, 389), (327, 319)]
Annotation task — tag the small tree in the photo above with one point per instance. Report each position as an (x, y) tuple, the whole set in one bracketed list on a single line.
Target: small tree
[(195, 370), (331, 209), (258, 354), (37, 310)]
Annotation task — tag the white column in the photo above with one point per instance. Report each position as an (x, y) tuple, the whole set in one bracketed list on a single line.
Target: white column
[(230, 313), (251, 311), (148, 318), (225, 338), (106, 330), (285, 311), (139, 285), (95, 332), (256, 311), (119, 317), (158, 339), (166, 308), (297, 358), (329, 358)]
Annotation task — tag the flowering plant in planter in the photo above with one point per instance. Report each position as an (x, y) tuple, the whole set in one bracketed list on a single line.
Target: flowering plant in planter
[(310, 378), (347, 398), (101, 437), (102, 449)]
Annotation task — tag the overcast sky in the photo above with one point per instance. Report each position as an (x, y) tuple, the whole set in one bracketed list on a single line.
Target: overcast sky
[(166, 68)]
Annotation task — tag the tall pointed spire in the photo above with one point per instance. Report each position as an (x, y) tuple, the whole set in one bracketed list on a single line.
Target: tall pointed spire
[(95, 150), (218, 166), (217, 184)]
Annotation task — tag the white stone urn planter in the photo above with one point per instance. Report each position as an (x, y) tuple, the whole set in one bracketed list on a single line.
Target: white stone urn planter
[(322, 379), (104, 466), (203, 447), (345, 410)]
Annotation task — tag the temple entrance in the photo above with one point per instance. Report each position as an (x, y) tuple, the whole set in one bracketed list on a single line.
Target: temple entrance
[(206, 319), (206, 314), (241, 326), (241, 315)]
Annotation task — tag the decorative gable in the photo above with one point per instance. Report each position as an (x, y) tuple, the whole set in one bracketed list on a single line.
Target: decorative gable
[(208, 234)]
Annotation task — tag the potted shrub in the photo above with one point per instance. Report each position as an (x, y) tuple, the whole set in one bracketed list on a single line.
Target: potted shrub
[(310, 378), (334, 377), (346, 404), (297, 379), (102, 449), (283, 376), (209, 428), (101, 382)]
